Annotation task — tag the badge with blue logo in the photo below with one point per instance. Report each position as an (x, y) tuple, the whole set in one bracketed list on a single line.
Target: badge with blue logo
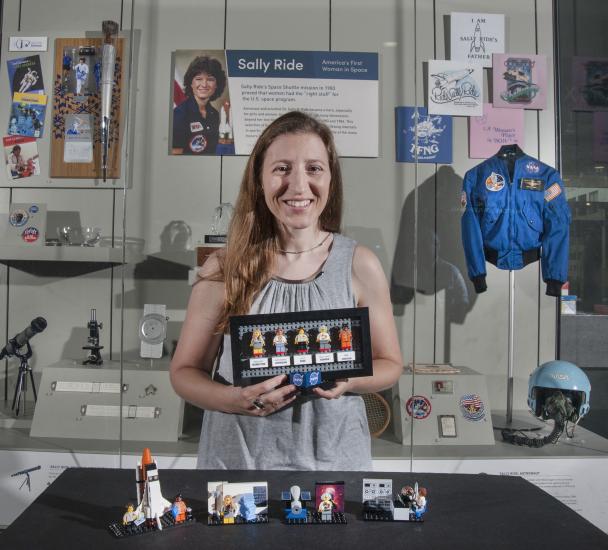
[(532, 167), (297, 379)]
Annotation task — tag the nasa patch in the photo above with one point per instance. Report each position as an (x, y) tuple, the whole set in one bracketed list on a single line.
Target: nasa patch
[(196, 127), (418, 407), (532, 167), (198, 144), (472, 407), (30, 235), (495, 182)]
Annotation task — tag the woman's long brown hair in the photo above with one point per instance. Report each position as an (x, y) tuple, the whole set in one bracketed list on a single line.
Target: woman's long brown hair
[(248, 260)]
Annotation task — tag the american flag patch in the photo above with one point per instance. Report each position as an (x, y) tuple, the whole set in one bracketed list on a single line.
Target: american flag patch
[(552, 192)]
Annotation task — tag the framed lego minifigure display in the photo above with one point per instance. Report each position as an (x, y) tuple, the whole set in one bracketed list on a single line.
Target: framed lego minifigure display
[(311, 347)]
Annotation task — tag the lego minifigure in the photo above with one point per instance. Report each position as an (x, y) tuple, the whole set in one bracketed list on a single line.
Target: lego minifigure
[(301, 341), (179, 509), (326, 506), (324, 339), (346, 338), (257, 343), (280, 342), (406, 496), (130, 515), (229, 509)]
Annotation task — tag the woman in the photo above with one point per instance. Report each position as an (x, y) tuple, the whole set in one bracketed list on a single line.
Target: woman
[(287, 220), (195, 121)]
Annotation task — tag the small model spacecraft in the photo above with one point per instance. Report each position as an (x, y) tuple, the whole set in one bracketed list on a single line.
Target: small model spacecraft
[(150, 501)]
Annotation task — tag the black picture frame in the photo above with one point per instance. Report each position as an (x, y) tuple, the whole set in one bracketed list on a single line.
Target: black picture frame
[(357, 319)]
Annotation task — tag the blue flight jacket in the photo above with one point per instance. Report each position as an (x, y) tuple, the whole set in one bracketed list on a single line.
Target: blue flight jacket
[(513, 223)]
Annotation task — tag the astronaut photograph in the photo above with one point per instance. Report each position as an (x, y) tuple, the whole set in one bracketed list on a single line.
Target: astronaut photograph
[(201, 122)]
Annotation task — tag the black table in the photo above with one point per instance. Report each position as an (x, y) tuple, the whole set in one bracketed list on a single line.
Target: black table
[(464, 512)]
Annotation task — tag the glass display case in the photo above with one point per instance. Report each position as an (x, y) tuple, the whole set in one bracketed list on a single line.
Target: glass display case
[(468, 356)]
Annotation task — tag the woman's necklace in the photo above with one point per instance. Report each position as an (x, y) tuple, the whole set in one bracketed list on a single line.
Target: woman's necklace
[(307, 250)]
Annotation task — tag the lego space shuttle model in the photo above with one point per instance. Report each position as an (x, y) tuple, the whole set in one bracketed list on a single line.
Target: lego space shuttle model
[(150, 501)]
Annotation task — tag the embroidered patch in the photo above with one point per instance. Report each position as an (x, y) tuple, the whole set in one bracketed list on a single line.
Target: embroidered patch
[(463, 199), (418, 406), (196, 127), (532, 167), (531, 184), (472, 407), (198, 144), (554, 191), (495, 182)]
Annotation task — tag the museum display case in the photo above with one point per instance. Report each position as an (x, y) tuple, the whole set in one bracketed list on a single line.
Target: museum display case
[(128, 208)]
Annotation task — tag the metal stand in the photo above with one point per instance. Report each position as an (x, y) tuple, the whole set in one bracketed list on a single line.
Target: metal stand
[(510, 347), (21, 386)]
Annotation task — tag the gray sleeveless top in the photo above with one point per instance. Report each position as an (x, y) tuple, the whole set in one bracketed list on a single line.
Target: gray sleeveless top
[(312, 433)]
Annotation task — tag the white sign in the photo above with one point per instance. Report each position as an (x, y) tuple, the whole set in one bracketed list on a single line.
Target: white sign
[(476, 36), (27, 44), (455, 88), (339, 88)]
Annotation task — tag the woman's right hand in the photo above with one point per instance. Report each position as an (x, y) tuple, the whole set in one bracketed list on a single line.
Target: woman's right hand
[(261, 399)]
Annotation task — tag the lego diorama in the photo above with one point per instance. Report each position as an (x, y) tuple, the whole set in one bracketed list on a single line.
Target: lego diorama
[(379, 503), (326, 508), (237, 503), (311, 347), (153, 511)]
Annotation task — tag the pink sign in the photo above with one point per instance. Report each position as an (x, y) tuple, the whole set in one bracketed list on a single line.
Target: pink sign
[(497, 127), (519, 81)]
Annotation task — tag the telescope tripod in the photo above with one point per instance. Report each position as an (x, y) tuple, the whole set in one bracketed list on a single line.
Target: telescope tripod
[(21, 385)]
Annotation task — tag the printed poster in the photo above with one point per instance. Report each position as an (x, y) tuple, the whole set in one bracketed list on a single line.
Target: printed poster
[(21, 156), (455, 88), (27, 115), (519, 81), (339, 88), (25, 75), (425, 138), (474, 37), (200, 85), (497, 127), (590, 83)]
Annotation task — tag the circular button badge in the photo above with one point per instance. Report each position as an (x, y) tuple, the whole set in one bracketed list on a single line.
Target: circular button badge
[(418, 407)]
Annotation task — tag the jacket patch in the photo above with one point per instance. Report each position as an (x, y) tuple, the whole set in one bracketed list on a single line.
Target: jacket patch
[(531, 184), (495, 182), (554, 191)]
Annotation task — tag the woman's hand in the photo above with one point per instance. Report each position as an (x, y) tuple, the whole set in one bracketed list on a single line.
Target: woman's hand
[(262, 399), (341, 386)]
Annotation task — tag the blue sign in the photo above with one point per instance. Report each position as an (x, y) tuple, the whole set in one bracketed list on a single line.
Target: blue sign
[(434, 136)]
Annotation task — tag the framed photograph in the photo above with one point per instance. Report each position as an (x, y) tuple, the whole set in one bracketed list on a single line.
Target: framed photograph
[(200, 85), (331, 344)]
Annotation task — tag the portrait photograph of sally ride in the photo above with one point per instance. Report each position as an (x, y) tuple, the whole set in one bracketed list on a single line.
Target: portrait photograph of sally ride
[(202, 119)]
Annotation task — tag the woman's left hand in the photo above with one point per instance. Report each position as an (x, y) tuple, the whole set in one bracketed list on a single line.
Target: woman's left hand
[(341, 386)]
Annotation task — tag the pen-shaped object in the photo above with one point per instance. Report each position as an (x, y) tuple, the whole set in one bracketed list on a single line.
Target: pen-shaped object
[(108, 59)]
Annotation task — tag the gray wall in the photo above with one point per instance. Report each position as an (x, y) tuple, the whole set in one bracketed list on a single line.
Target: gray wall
[(437, 323)]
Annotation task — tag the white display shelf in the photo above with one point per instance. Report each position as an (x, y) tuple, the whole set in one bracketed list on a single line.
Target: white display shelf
[(91, 254)]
